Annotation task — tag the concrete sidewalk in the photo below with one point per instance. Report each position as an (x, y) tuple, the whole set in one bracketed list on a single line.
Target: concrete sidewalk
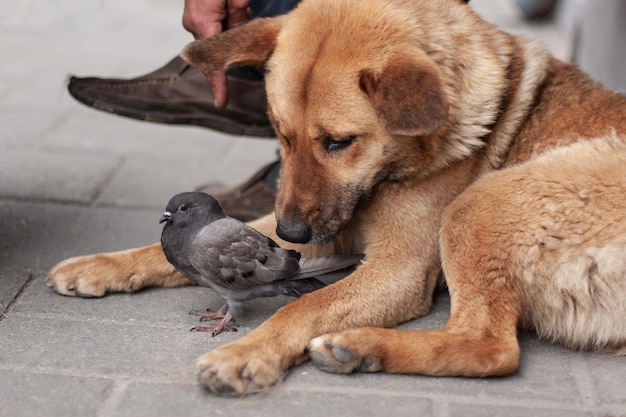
[(75, 181)]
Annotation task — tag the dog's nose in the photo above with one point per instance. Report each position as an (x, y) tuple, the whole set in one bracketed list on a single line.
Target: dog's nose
[(293, 231)]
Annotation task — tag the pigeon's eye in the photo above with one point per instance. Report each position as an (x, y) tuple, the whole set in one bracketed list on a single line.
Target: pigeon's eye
[(183, 207)]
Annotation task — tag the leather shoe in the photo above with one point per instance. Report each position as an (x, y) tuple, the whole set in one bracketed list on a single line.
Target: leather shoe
[(179, 94)]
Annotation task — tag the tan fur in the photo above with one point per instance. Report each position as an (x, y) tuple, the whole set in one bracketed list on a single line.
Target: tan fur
[(425, 137)]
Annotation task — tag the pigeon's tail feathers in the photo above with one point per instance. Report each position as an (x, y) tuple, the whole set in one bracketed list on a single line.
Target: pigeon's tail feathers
[(299, 287), (284, 263), (320, 265)]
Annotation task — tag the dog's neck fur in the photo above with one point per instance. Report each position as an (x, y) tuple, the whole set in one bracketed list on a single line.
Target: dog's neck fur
[(524, 83), (482, 119), (492, 118)]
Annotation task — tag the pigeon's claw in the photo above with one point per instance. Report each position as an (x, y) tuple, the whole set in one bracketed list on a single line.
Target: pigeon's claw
[(209, 315), (218, 328)]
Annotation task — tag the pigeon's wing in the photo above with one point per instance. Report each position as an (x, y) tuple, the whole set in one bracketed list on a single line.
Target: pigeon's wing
[(235, 256), (318, 266)]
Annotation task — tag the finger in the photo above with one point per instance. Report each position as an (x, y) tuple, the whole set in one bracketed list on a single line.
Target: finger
[(217, 79), (237, 13), (206, 30), (203, 18)]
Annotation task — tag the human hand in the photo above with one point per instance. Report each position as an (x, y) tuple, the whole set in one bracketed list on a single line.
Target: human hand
[(206, 18)]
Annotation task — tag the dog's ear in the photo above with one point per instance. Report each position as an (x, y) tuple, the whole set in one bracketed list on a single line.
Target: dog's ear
[(407, 95), (248, 44)]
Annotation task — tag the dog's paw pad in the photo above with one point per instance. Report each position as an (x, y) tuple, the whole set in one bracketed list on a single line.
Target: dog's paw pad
[(222, 387), (319, 359), (236, 369), (342, 354), (368, 364), (332, 354), (208, 378)]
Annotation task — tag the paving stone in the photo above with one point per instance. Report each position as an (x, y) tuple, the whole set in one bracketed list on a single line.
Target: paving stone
[(157, 307), (27, 394), (100, 349), (38, 235), (12, 279), (106, 134), (142, 183), (167, 400), (465, 410), (57, 177), (21, 130), (608, 375)]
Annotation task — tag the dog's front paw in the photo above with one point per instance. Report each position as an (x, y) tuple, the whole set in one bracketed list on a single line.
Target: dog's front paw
[(239, 368), (91, 276), (344, 352)]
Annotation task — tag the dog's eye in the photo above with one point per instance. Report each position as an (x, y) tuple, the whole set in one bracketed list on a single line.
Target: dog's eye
[(335, 143)]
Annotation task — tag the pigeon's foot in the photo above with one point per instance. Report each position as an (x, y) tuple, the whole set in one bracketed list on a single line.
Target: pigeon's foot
[(218, 328), (209, 315)]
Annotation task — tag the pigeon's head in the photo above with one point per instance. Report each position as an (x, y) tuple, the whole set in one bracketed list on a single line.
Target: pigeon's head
[(185, 207)]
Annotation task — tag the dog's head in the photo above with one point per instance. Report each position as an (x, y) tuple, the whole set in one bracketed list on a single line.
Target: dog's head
[(355, 99)]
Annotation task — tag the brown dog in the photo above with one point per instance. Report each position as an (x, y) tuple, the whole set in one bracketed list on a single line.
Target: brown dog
[(423, 136)]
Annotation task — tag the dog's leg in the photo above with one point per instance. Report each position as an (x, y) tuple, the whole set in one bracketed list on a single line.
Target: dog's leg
[(473, 343), (446, 352), (124, 271), (366, 297), (481, 336), (130, 270), (479, 339)]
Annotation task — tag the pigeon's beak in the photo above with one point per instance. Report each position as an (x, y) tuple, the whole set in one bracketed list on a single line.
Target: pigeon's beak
[(165, 217)]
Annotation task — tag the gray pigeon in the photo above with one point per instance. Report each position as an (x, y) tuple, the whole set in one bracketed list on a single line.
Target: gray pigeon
[(233, 259)]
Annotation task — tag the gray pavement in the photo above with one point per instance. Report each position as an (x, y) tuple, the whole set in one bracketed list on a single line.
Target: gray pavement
[(75, 181)]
